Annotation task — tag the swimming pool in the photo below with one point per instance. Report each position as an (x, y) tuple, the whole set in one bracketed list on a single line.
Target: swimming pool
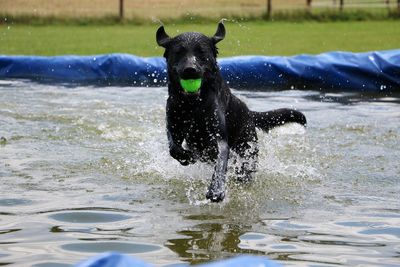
[(86, 169)]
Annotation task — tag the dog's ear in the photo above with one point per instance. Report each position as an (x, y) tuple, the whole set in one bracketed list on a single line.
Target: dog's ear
[(162, 37), (220, 34)]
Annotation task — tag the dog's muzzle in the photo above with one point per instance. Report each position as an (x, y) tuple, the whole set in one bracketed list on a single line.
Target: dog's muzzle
[(191, 80), (190, 73)]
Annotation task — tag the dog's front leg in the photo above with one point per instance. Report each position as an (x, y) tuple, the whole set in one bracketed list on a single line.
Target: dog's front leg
[(176, 150), (216, 190)]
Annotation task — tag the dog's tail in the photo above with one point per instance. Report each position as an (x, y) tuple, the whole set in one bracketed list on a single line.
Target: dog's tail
[(273, 118)]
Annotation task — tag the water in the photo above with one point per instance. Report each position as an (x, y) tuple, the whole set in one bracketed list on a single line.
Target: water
[(85, 170)]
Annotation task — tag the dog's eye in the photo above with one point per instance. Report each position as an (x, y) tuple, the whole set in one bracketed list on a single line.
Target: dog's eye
[(199, 50), (181, 51)]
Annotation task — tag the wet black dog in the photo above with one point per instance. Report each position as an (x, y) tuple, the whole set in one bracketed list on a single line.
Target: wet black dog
[(205, 125)]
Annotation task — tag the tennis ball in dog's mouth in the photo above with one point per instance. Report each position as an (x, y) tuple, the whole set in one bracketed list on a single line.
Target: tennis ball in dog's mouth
[(191, 85)]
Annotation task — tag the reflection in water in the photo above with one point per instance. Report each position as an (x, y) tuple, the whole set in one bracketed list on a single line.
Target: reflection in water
[(84, 170), (208, 241)]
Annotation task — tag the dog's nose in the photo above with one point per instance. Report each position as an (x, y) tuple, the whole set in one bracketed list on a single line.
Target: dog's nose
[(190, 72)]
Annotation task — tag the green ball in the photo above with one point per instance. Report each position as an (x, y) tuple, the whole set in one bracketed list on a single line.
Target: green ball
[(191, 85)]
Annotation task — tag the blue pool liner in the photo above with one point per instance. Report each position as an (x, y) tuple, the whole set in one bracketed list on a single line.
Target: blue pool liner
[(370, 71), (120, 260)]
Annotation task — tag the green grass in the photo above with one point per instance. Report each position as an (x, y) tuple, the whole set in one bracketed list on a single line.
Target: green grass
[(246, 38)]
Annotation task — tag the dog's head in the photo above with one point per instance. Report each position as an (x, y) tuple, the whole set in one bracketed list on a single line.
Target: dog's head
[(190, 55)]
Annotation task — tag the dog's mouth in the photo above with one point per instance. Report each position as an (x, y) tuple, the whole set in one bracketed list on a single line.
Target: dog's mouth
[(191, 86)]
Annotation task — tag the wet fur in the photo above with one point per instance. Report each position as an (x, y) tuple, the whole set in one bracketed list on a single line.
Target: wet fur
[(207, 125)]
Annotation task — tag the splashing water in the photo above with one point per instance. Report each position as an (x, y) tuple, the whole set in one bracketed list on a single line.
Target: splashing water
[(85, 169)]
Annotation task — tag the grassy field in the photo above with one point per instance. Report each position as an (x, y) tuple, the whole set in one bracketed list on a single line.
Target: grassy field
[(260, 38)]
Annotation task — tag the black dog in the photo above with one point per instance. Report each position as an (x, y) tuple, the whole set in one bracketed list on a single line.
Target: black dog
[(207, 124)]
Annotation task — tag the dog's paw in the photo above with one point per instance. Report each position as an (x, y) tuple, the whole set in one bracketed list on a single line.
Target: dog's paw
[(216, 190), (215, 196), (188, 158), (186, 162), (184, 157)]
